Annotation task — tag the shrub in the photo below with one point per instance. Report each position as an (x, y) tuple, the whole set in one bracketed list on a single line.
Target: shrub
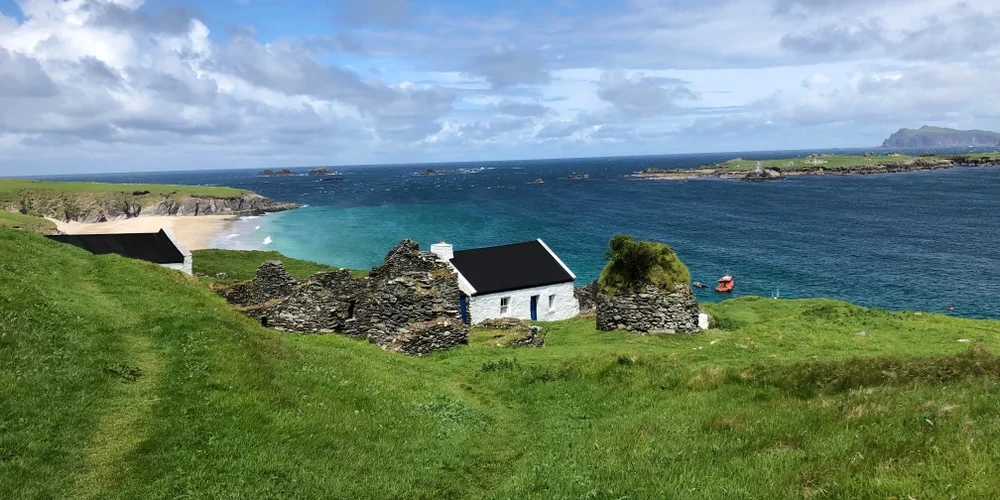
[(633, 264)]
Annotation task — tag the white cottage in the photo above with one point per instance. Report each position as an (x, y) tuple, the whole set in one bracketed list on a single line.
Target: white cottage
[(524, 280)]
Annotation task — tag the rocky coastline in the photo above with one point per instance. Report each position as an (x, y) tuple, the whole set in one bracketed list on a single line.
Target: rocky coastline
[(777, 173), (89, 208)]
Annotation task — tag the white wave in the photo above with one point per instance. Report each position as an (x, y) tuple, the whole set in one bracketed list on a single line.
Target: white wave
[(268, 240), (252, 217), (256, 228)]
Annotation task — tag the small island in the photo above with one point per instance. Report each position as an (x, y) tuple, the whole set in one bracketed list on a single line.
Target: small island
[(431, 171), (820, 164), (323, 171), (578, 175), (280, 173)]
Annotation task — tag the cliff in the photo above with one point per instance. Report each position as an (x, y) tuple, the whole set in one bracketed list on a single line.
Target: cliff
[(92, 202), (936, 137)]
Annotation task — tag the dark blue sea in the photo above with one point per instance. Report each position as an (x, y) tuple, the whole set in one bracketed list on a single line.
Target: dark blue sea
[(916, 241)]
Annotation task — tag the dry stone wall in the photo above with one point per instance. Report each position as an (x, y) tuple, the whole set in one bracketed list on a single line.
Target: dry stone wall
[(424, 338), (587, 297), (271, 282), (410, 304), (526, 334), (649, 310)]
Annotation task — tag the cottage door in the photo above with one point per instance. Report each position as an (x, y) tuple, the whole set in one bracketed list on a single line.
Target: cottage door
[(463, 305), (534, 308)]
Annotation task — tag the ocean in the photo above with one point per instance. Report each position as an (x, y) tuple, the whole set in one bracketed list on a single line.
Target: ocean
[(924, 241)]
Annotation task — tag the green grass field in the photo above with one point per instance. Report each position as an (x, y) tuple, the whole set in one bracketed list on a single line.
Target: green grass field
[(241, 265), (11, 187), (806, 163), (834, 161), (120, 379), (27, 222)]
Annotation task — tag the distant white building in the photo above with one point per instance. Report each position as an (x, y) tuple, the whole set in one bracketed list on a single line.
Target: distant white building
[(524, 280), (161, 248)]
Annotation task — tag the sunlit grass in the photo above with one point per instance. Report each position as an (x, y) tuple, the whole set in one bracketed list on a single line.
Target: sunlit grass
[(782, 399)]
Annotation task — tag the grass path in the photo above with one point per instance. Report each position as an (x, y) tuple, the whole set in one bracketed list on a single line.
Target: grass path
[(121, 428)]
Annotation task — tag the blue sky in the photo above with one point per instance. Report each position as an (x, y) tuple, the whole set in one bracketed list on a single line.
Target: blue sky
[(113, 85)]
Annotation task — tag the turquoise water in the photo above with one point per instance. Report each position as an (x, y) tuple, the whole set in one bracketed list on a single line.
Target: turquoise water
[(925, 241)]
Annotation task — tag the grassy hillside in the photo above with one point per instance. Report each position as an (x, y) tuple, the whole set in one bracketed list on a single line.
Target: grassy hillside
[(242, 265), (124, 380), (27, 222)]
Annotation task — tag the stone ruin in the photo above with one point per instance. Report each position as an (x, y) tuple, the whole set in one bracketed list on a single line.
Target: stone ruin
[(651, 309), (587, 297), (409, 304), (521, 332)]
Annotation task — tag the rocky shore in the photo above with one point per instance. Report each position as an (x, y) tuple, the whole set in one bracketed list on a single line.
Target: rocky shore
[(778, 173)]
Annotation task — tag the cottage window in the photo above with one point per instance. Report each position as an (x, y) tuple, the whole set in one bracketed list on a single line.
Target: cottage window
[(505, 305), (552, 302)]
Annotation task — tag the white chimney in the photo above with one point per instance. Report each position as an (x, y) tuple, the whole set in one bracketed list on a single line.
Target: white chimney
[(444, 251)]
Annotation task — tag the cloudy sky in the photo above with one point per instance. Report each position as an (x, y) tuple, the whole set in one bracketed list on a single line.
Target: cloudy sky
[(115, 85)]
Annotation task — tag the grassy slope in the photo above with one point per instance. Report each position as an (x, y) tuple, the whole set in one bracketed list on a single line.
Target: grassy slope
[(226, 409), (27, 222), (242, 265)]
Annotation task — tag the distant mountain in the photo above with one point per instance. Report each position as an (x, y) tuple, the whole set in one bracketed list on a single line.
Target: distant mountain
[(935, 137)]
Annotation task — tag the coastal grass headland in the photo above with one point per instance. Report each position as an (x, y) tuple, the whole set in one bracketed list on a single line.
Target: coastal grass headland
[(100, 202), (121, 379), (12, 187), (822, 164)]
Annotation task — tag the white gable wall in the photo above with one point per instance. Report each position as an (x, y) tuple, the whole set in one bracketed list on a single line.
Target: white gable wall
[(187, 266), (484, 307)]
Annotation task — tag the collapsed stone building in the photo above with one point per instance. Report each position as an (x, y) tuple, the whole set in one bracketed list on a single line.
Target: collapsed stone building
[(650, 309), (409, 304)]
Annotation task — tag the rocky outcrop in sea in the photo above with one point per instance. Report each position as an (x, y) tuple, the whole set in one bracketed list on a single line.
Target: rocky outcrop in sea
[(280, 173), (761, 174)]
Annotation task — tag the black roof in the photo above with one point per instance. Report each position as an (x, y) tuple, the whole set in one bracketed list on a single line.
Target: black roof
[(510, 267), (152, 247)]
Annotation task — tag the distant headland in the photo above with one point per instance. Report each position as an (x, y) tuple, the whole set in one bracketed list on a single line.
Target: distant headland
[(937, 137), (821, 164)]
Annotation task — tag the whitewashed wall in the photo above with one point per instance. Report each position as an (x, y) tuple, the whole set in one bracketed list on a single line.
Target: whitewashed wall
[(187, 267), (484, 307)]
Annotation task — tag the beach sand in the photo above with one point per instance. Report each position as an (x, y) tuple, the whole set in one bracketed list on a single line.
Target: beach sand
[(195, 233)]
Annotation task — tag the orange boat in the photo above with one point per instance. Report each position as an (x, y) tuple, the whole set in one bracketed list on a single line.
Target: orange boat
[(726, 284)]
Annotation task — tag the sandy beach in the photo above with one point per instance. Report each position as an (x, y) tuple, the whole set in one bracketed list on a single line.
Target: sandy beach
[(195, 233)]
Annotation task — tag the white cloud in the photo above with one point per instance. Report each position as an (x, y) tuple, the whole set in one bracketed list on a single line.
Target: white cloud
[(82, 81)]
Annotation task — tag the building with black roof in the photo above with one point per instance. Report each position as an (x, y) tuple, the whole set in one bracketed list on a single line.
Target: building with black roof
[(523, 280), (161, 248)]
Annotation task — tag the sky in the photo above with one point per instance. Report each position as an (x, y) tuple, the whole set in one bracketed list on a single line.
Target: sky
[(132, 85)]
